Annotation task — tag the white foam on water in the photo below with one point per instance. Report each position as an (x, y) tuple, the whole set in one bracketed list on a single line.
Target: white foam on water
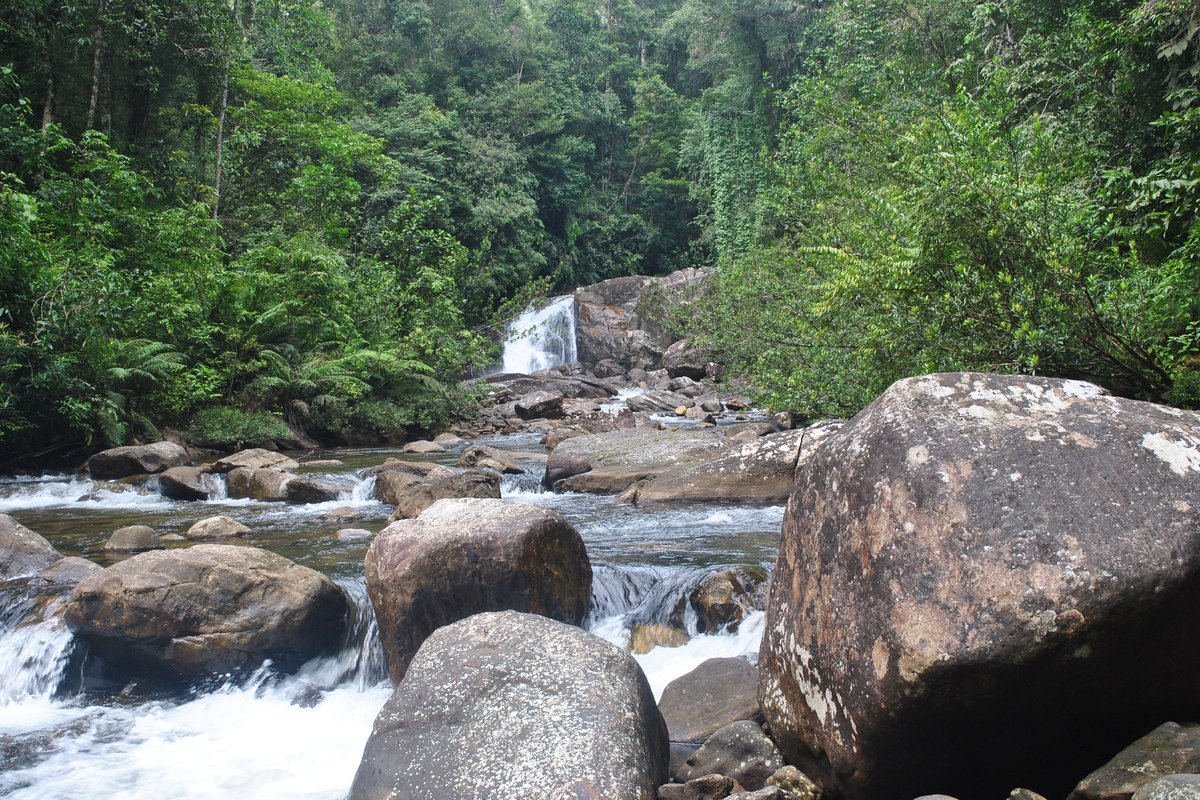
[(250, 743), (664, 664), (618, 403), (74, 492)]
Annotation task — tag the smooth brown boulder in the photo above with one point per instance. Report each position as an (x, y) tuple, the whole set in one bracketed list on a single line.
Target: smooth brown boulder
[(985, 581), (714, 694), (312, 490), (183, 483), (390, 486), (509, 705), (141, 459), (257, 483), (466, 556), (540, 405), (23, 552), (134, 539), (219, 527), (256, 458), (206, 609), (1169, 749)]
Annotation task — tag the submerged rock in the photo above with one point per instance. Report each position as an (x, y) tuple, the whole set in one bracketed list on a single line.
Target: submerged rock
[(141, 459), (462, 557), (207, 609), (1027, 547), (516, 705)]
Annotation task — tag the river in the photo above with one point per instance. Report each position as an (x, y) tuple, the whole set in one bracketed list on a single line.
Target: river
[(300, 736)]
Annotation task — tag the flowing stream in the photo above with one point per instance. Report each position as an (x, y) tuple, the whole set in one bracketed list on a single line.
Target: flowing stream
[(301, 736)]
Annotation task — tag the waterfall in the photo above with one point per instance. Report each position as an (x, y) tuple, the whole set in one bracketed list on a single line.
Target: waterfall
[(541, 338)]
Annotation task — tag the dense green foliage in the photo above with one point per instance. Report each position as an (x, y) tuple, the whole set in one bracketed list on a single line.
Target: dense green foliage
[(1004, 186), (228, 215)]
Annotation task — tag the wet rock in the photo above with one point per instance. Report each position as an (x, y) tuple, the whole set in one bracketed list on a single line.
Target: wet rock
[(421, 447), (540, 405), (442, 483), (220, 527), (312, 490), (644, 638), (612, 461), (341, 514), (1018, 544), (141, 459), (23, 552), (1171, 787), (352, 534), (463, 557), (448, 440), (516, 705), (257, 484), (795, 785), (134, 539), (490, 458), (714, 694), (255, 458), (183, 483), (607, 368), (419, 468), (741, 751), (723, 599), (706, 787), (207, 609), (322, 463), (1168, 749)]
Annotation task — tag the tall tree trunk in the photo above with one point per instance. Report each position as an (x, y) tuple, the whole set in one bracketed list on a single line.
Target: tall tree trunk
[(220, 139), (98, 48)]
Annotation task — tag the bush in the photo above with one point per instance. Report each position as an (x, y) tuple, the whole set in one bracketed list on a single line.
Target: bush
[(232, 429)]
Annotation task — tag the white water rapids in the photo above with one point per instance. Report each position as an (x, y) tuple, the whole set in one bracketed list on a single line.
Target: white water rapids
[(301, 736), (542, 337)]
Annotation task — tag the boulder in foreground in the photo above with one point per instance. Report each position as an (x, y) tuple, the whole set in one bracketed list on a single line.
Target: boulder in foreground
[(466, 556), (207, 609), (509, 705), (23, 552), (985, 581)]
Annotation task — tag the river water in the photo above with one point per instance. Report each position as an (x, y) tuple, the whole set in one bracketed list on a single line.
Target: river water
[(301, 736)]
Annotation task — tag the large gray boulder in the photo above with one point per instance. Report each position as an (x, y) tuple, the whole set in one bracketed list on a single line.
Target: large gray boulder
[(463, 557), (985, 581), (23, 552), (141, 459), (1168, 749), (205, 610), (257, 483), (509, 705), (540, 404), (614, 460)]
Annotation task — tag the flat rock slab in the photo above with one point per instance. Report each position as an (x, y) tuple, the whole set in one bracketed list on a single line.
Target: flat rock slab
[(985, 581), (256, 458), (509, 705), (614, 460)]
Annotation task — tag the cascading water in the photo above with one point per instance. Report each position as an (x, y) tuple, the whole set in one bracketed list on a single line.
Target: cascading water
[(541, 338)]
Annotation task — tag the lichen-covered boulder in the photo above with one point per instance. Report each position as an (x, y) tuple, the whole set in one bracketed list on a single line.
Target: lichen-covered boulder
[(985, 581), (23, 552), (206, 609), (463, 557), (509, 705), (1169, 749), (141, 459)]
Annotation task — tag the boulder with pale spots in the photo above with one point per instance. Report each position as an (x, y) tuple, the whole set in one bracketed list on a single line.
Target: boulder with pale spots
[(985, 581), (510, 705)]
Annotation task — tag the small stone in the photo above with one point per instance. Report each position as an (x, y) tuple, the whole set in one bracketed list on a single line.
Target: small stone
[(794, 784), (134, 539), (706, 787), (219, 527), (352, 534), (341, 514), (645, 638)]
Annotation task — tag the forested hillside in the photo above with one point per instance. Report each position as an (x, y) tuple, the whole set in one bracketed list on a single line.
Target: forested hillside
[(221, 215)]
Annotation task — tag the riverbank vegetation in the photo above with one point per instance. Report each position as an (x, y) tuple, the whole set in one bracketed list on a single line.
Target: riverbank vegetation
[(232, 215)]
